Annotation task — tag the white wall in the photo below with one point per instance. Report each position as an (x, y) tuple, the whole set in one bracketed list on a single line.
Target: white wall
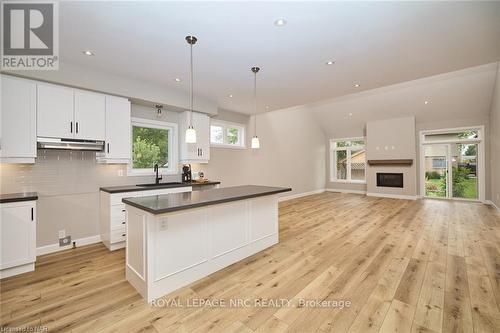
[(495, 142), (292, 153)]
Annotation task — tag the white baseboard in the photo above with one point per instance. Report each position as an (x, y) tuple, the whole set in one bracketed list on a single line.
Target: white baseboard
[(393, 196), (300, 195), (345, 191), (490, 202), (46, 249)]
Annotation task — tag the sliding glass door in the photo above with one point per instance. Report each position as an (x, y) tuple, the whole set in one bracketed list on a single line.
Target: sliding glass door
[(451, 170)]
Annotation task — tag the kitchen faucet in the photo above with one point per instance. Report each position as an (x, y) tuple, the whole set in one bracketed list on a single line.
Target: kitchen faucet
[(157, 179)]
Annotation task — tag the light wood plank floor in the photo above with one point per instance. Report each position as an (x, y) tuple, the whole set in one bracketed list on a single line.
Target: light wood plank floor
[(405, 266)]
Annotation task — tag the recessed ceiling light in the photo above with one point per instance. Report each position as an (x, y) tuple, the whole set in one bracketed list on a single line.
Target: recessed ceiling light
[(177, 79), (356, 85), (280, 22), (230, 95), (267, 106), (88, 52), (426, 102), (330, 63), (350, 114)]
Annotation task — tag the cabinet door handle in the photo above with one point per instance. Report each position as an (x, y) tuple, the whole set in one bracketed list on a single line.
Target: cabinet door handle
[(71, 127), (124, 235), (123, 222), (32, 214), (108, 148), (201, 151), (76, 127)]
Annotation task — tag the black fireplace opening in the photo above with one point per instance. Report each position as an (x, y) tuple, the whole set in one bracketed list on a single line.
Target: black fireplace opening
[(390, 180)]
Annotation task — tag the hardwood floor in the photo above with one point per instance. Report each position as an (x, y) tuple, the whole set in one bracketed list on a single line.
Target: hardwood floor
[(405, 266)]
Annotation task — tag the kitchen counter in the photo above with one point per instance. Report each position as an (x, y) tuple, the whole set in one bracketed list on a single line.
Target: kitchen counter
[(175, 239), (15, 197), (133, 188), (160, 204)]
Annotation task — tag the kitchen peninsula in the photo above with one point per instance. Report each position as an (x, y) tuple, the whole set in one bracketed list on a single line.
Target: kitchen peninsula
[(178, 238)]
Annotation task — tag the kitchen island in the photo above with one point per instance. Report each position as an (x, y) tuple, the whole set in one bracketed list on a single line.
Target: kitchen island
[(178, 238)]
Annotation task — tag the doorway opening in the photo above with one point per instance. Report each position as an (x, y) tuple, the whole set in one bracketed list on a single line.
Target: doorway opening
[(452, 164)]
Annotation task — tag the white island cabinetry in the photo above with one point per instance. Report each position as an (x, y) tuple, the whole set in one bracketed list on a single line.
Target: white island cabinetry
[(166, 251)]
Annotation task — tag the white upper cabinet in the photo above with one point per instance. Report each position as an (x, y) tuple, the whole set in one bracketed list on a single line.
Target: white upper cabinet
[(198, 152), (17, 120), (70, 113), (90, 115), (118, 132), (55, 114)]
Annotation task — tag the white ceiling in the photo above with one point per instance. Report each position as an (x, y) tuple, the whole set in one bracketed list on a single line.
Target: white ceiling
[(453, 100), (373, 43)]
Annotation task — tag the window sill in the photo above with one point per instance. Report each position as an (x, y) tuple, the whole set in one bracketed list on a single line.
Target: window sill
[(347, 181), (227, 146), (139, 173)]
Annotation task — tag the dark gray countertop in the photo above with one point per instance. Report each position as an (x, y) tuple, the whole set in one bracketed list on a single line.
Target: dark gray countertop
[(15, 197), (133, 188), (159, 204)]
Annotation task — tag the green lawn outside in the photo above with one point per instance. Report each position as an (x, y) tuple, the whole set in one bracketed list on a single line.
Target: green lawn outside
[(470, 191)]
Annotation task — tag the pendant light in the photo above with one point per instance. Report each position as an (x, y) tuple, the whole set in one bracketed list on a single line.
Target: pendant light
[(255, 138), (190, 132)]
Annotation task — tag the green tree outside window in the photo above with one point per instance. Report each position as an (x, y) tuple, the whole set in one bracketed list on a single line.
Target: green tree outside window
[(150, 146)]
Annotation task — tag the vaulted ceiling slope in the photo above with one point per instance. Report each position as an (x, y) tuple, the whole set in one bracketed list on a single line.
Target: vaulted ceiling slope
[(373, 44), (465, 94)]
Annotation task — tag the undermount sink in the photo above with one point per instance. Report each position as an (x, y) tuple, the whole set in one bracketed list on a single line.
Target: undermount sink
[(160, 184)]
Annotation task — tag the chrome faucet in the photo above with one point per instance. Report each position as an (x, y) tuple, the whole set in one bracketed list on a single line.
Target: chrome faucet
[(157, 179)]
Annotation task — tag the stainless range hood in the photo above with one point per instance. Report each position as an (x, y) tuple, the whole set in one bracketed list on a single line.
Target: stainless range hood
[(69, 144)]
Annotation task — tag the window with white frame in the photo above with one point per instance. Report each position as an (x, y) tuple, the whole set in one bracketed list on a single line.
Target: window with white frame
[(153, 142), (348, 160), (227, 134)]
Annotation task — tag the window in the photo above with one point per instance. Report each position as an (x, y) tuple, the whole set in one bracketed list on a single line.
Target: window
[(452, 135), (153, 142), (226, 134), (348, 160)]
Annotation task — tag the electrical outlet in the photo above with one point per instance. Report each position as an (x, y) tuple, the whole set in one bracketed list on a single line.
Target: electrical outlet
[(120, 173), (164, 224), (65, 241), (62, 233)]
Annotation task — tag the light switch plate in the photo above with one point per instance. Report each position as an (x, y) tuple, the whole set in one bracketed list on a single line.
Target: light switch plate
[(62, 233)]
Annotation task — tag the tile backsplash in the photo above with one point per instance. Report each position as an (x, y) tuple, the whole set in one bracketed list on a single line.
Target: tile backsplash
[(64, 172)]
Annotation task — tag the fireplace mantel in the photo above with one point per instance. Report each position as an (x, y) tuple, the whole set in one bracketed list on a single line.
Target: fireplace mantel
[(391, 162)]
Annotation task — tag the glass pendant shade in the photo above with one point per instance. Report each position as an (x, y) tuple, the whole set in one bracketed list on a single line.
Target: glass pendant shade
[(255, 143), (190, 135)]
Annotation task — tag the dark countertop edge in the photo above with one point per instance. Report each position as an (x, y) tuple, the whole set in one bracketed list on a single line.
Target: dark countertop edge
[(17, 197), (134, 188), (202, 204)]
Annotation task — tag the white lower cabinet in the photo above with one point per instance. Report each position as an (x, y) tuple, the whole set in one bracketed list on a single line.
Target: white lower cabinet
[(18, 238), (112, 214)]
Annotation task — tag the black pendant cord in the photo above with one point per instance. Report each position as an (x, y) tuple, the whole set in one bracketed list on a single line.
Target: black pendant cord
[(191, 89), (255, 70), (255, 101)]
